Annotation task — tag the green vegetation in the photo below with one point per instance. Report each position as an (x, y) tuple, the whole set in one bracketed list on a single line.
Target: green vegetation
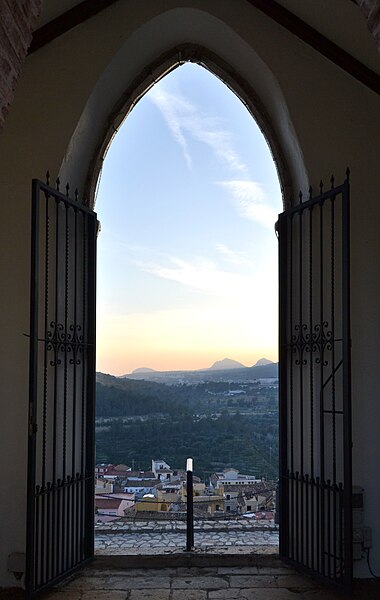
[(218, 423)]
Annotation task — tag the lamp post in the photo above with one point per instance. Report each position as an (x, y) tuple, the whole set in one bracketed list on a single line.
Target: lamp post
[(190, 511)]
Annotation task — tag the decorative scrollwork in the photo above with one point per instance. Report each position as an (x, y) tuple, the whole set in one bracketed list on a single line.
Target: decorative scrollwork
[(322, 341), (316, 343), (61, 340), (300, 342)]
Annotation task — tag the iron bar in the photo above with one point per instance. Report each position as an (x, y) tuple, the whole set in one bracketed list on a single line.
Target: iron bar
[(74, 409), (284, 481), (318, 534), (328, 487), (311, 390), (45, 390), (347, 425), (321, 399), (62, 388), (291, 389), (37, 564), (312, 376), (30, 574), (48, 554), (90, 324)]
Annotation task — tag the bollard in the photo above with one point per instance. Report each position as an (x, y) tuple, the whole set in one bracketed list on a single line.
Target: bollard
[(190, 511)]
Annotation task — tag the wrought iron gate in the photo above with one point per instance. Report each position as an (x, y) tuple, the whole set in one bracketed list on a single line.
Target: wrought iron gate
[(60, 514), (315, 404)]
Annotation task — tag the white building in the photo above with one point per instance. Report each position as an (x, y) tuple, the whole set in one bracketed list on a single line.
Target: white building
[(162, 470), (232, 476)]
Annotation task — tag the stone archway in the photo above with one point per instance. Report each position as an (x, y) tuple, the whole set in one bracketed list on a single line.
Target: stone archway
[(216, 47), (218, 67)]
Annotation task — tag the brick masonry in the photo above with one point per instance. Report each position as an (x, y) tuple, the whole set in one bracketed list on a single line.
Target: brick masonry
[(17, 19), (371, 11)]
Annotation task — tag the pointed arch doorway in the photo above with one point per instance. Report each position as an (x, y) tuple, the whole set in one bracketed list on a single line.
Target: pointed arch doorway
[(209, 251), (37, 518)]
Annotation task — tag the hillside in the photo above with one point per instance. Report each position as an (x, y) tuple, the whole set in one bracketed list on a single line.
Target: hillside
[(117, 397), (219, 423)]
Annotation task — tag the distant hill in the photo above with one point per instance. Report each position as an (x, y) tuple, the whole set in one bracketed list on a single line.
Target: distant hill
[(238, 374), (144, 370), (226, 363), (263, 361), (118, 396)]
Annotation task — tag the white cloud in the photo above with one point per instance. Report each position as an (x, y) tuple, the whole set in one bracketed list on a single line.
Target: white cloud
[(202, 275), (185, 119), (251, 202), (174, 109), (233, 256)]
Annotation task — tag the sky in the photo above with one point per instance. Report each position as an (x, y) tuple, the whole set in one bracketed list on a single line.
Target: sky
[(187, 254)]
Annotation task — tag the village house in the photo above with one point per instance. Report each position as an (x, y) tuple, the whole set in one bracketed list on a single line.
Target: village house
[(231, 496), (102, 468), (161, 501), (103, 486), (140, 475), (162, 470), (113, 505), (204, 500), (230, 476), (139, 488)]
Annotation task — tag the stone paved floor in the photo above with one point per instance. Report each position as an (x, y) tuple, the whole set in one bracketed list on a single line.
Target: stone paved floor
[(269, 579), (274, 582), (231, 561), (168, 537)]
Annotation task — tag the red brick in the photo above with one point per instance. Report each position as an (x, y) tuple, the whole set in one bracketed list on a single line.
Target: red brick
[(371, 11), (17, 20), (7, 49)]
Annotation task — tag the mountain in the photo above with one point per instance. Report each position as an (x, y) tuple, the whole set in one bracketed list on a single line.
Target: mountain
[(241, 374), (144, 370), (226, 363), (263, 361)]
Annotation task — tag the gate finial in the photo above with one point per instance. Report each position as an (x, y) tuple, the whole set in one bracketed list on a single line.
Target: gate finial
[(332, 180), (348, 173)]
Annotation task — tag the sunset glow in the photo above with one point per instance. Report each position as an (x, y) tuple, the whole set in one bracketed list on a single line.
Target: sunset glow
[(187, 255)]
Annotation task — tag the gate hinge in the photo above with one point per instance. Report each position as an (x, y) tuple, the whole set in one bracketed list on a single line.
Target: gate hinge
[(277, 229)]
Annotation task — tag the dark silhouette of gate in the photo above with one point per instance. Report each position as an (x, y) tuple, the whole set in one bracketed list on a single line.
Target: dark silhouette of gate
[(60, 514), (315, 387)]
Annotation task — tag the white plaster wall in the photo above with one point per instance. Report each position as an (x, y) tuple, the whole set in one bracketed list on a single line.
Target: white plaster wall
[(324, 119)]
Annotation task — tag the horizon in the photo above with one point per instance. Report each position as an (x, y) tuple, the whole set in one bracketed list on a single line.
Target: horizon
[(187, 254), (150, 369)]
